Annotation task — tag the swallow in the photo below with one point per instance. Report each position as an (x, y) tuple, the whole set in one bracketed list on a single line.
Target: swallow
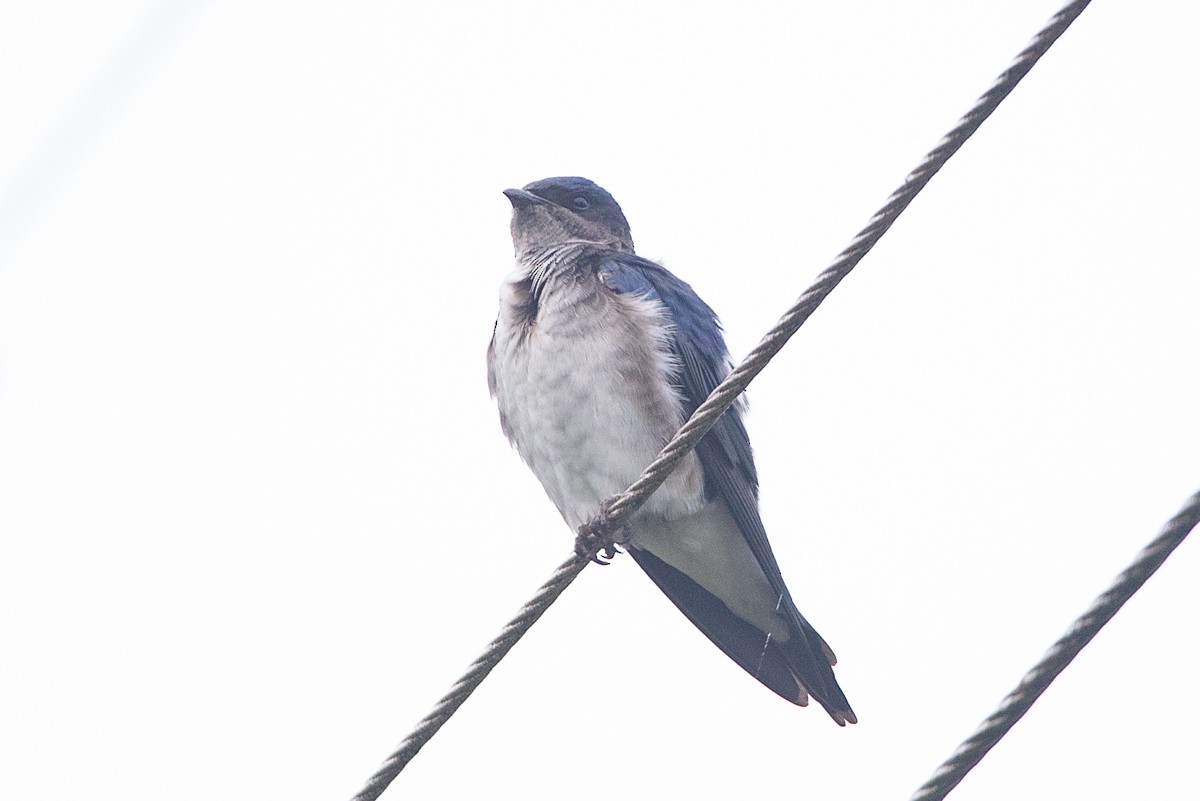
[(597, 357)]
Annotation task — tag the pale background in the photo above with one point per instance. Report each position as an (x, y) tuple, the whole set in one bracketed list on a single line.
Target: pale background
[(256, 514)]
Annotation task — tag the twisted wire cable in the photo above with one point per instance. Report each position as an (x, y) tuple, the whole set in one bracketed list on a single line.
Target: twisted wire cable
[(476, 673), (1035, 682), (735, 383), (620, 508)]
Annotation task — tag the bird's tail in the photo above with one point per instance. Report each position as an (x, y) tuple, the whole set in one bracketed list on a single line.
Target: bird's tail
[(795, 669)]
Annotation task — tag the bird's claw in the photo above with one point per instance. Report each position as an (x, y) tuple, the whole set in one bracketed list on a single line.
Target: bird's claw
[(598, 539)]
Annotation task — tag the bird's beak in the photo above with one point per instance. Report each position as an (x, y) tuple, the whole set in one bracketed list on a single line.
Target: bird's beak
[(521, 199)]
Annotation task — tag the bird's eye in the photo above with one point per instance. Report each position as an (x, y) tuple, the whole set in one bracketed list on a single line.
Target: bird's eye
[(580, 203)]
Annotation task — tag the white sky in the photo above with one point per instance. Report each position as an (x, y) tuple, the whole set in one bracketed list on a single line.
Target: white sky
[(255, 508)]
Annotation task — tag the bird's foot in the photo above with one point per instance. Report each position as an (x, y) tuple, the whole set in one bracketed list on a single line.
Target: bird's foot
[(598, 539)]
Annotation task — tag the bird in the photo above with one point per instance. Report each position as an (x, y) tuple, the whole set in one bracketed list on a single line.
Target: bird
[(597, 357)]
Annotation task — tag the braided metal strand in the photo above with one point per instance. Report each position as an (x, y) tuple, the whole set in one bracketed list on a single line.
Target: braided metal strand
[(1038, 679), (724, 395), (736, 382), (476, 673)]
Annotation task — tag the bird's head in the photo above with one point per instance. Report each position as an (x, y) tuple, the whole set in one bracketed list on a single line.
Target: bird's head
[(554, 211)]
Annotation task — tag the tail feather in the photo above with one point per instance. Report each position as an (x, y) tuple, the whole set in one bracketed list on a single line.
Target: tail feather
[(793, 669)]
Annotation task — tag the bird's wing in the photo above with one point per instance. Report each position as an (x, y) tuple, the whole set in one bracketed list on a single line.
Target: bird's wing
[(730, 475), (699, 346)]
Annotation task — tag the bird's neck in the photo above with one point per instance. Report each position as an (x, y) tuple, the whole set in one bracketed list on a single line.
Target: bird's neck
[(548, 259)]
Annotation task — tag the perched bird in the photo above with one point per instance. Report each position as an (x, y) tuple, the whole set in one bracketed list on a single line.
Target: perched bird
[(598, 356)]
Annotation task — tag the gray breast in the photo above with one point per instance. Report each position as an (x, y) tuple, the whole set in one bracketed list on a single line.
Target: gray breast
[(584, 393)]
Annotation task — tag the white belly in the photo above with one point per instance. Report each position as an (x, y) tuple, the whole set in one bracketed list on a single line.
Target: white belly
[(584, 397)]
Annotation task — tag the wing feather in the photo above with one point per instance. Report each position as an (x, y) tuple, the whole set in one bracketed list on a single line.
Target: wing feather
[(699, 347)]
